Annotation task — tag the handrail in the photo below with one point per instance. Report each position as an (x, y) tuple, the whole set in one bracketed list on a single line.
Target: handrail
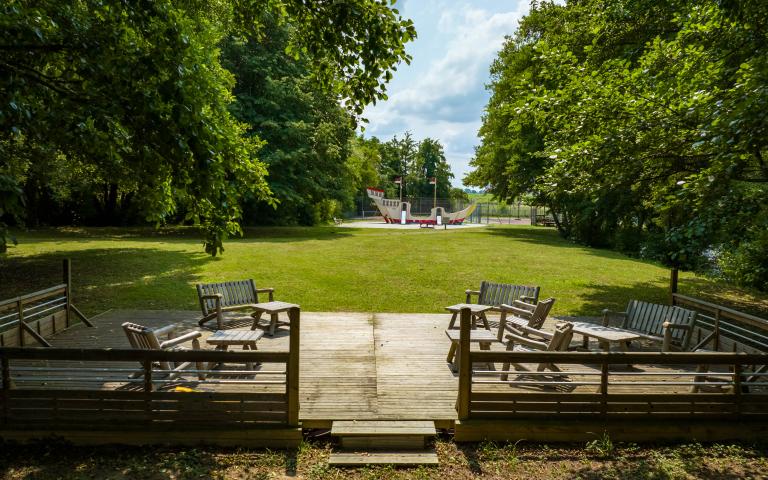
[(604, 400), (725, 312), (128, 355), (611, 358), (34, 296)]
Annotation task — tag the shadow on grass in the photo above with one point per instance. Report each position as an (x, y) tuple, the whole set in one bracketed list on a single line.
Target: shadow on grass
[(148, 234), (617, 298), (106, 278)]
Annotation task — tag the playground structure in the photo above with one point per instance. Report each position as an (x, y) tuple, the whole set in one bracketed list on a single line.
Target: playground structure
[(396, 211)]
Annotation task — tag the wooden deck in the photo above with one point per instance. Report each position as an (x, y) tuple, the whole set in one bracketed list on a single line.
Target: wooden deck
[(353, 365)]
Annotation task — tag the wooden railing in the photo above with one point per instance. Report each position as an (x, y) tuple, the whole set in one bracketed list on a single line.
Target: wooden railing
[(668, 385), (39, 314), (58, 390), (719, 321)]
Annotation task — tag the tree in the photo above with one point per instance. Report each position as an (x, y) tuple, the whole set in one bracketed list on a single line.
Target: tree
[(397, 159), (134, 92), (642, 124), (430, 162), (307, 133)]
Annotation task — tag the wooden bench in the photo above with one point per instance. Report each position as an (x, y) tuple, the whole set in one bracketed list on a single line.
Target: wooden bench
[(496, 294), (667, 324), (217, 298)]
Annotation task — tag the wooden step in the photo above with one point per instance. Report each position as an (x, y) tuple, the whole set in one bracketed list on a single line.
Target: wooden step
[(352, 459), (383, 434)]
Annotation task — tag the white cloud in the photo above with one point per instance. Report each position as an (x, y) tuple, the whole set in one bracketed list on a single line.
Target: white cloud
[(445, 96)]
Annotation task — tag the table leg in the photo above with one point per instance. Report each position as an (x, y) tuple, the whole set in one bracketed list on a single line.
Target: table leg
[(452, 325), (272, 324), (585, 341), (256, 317), (221, 348), (485, 321), (624, 346), (452, 351), (249, 346), (455, 364), (487, 346)]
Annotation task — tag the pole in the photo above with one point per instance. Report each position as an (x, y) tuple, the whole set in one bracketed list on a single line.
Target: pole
[(434, 203)]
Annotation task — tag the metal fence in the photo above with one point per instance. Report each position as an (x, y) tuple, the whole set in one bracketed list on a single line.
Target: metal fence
[(485, 212)]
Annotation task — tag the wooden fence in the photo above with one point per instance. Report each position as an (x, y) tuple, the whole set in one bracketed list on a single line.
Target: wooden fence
[(724, 328), (37, 315), (116, 396), (668, 398)]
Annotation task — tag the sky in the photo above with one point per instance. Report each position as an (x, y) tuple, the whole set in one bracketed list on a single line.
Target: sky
[(442, 93)]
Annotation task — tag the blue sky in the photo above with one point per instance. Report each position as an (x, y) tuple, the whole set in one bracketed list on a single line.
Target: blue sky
[(442, 94)]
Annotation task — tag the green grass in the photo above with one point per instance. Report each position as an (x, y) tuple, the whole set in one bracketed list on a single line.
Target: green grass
[(343, 269)]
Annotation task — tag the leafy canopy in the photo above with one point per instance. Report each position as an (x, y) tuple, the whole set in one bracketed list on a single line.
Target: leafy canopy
[(134, 93)]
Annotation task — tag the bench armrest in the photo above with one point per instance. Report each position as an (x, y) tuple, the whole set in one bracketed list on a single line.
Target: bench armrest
[(470, 293), (270, 291), (181, 339), (527, 299), (666, 345), (216, 297), (607, 314), (515, 338), (519, 312), (166, 330)]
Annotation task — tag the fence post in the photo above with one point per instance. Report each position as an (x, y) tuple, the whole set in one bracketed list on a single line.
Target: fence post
[(292, 369), (20, 313), (604, 388), (673, 275), (465, 365), (147, 366), (67, 273), (737, 372), (6, 376)]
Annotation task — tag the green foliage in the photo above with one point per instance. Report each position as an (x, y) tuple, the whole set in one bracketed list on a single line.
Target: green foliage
[(636, 122), (307, 132), (602, 446), (127, 103)]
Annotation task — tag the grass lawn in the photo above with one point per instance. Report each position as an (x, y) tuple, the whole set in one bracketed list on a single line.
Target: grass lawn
[(484, 460), (344, 269)]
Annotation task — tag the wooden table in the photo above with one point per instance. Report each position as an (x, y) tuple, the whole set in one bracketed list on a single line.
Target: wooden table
[(223, 339), (605, 336), (478, 313), (272, 309), (484, 337)]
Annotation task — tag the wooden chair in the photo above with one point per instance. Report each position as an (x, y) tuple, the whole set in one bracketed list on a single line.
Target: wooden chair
[(670, 325), (217, 298), (496, 294), (144, 338), (550, 342), (525, 315)]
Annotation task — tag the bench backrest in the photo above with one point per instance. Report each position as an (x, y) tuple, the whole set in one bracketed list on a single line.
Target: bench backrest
[(648, 318), (561, 338), (241, 292), (497, 293), (539, 315), (141, 337)]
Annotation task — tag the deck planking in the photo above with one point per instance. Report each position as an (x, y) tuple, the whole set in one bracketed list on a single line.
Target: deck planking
[(353, 366)]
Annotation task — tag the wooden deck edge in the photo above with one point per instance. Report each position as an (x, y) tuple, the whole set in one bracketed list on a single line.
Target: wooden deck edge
[(271, 438), (634, 430)]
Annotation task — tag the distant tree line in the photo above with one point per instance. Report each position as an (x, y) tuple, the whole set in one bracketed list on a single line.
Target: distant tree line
[(193, 112), (643, 125)]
